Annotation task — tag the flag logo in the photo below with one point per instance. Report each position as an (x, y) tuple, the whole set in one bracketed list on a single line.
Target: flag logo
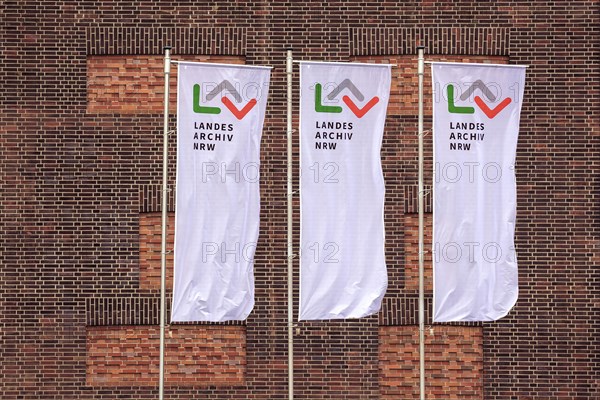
[(227, 87), (346, 84), (491, 113)]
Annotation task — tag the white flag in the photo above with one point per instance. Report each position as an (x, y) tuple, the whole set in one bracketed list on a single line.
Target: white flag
[(220, 116), (342, 115), (476, 112)]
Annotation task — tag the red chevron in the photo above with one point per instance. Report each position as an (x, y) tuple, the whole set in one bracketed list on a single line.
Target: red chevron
[(239, 114), (492, 112), (360, 112)]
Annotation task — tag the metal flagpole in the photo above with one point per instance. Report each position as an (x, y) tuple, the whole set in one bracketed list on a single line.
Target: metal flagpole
[(163, 253), (290, 254), (420, 71)]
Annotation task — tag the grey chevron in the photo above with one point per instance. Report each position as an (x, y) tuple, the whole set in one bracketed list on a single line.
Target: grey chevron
[(225, 85), (346, 83), (478, 84)]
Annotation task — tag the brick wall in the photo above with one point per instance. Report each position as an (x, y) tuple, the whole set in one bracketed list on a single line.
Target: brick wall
[(78, 170), (194, 356), (150, 250), (453, 362), (135, 83), (411, 244)]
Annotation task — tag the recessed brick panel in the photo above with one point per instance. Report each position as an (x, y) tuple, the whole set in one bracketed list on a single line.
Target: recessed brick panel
[(134, 84), (150, 250), (194, 356), (411, 246), (404, 94), (453, 362)]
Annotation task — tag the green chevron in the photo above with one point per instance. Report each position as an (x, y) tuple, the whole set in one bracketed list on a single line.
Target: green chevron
[(320, 107), (201, 109), (454, 109)]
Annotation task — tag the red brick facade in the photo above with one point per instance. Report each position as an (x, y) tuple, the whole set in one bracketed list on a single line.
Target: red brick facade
[(150, 251), (194, 356), (80, 168), (411, 246), (134, 84), (453, 362)]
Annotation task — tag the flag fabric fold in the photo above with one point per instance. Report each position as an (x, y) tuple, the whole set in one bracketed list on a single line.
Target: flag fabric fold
[(220, 115), (342, 116), (476, 112)]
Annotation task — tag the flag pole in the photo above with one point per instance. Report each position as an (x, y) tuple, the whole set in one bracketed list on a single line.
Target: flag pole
[(290, 249), (420, 72), (163, 252)]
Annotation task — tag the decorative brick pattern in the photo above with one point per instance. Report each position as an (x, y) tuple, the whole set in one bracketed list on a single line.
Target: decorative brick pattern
[(403, 310), (453, 362), (150, 250), (139, 310), (437, 40), (411, 262), (411, 199), (110, 40), (150, 199), (135, 83), (194, 356), (106, 311)]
